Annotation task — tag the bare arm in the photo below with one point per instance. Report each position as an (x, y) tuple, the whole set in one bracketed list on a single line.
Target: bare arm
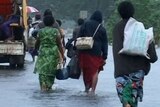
[(152, 53), (59, 44), (61, 33), (37, 44)]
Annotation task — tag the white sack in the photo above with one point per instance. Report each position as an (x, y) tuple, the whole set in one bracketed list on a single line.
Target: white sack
[(136, 38)]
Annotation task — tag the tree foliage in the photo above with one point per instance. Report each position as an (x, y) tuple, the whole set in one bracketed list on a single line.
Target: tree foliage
[(70, 9), (146, 11)]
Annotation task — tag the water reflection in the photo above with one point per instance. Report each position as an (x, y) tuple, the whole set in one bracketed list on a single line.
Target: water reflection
[(68, 98), (20, 87)]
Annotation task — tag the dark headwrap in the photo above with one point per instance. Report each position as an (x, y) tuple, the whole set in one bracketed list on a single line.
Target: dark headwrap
[(97, 16), (47, 12)]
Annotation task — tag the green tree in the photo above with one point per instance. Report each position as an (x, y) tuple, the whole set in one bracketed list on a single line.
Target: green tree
[(145, 11)]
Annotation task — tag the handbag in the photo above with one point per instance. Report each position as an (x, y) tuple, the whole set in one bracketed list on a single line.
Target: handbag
[(73, 68), (86, 42), (70, 50), (62, 72)]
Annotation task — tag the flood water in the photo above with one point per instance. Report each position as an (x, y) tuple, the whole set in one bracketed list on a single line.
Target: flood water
[(20, 88)]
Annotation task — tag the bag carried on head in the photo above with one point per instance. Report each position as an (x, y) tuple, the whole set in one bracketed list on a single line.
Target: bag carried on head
[(136, 38), (83, 43)]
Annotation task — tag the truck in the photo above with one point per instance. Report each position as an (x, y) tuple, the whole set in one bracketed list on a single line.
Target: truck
[(12, 49)]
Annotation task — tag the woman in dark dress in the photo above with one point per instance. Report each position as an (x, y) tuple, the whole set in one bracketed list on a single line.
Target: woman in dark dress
[(92, 60)]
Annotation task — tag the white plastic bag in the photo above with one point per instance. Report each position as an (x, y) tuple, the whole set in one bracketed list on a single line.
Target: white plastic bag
[(136, 38)]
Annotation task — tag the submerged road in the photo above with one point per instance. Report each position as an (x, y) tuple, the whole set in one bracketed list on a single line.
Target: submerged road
[(20, 88)]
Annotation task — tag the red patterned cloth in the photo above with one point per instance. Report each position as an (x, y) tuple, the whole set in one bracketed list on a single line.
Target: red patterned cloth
[(90, 64)]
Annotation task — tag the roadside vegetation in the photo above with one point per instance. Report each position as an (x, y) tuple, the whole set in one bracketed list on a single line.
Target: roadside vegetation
[(147, 11)]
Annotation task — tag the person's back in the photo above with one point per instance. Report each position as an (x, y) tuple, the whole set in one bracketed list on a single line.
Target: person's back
[(129, 70), (70, 45), (50, 47), (33, 31), (47, 40), (91, 61), (131, 63), (100, 38), (76, 30), (35, 26), (41, 25)]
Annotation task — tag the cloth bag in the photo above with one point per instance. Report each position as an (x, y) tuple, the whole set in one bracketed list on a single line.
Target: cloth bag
[(70, 50), (86, 42), (136, 38), (62, 72), (73, 68)]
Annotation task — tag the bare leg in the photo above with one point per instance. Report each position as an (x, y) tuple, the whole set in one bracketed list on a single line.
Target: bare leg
[(86, 83), (87, 87), (127, 105), (94, 83), (43, 87), (33, 58)]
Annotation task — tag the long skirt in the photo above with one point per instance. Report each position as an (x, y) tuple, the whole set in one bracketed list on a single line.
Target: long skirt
[(46, 81), (90, 65), (130, 88)]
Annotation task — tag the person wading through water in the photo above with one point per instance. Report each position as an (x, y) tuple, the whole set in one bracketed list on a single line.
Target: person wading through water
[(129, 71), (92, 60)]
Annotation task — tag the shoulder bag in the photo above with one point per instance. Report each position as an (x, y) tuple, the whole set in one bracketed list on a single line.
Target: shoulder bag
[(83, 43)]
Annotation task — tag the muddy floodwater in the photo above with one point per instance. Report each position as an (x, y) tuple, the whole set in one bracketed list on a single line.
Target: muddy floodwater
[(20, 88)]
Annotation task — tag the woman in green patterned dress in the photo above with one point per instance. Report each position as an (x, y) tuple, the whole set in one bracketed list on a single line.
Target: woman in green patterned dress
[(50, 50)]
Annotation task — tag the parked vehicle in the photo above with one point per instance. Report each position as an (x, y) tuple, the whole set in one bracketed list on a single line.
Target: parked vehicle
[(12, 49)]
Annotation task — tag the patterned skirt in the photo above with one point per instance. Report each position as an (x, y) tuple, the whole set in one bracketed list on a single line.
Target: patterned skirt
[(46, 81), (130, 88)]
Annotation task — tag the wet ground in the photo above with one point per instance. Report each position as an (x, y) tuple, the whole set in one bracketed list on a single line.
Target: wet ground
[(20, 88)]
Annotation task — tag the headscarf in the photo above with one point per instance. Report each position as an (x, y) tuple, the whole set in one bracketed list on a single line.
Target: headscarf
[(47, 12), (97, 16)]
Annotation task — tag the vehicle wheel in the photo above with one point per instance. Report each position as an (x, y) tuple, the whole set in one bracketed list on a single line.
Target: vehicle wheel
[(20, 65), (12, 65)]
